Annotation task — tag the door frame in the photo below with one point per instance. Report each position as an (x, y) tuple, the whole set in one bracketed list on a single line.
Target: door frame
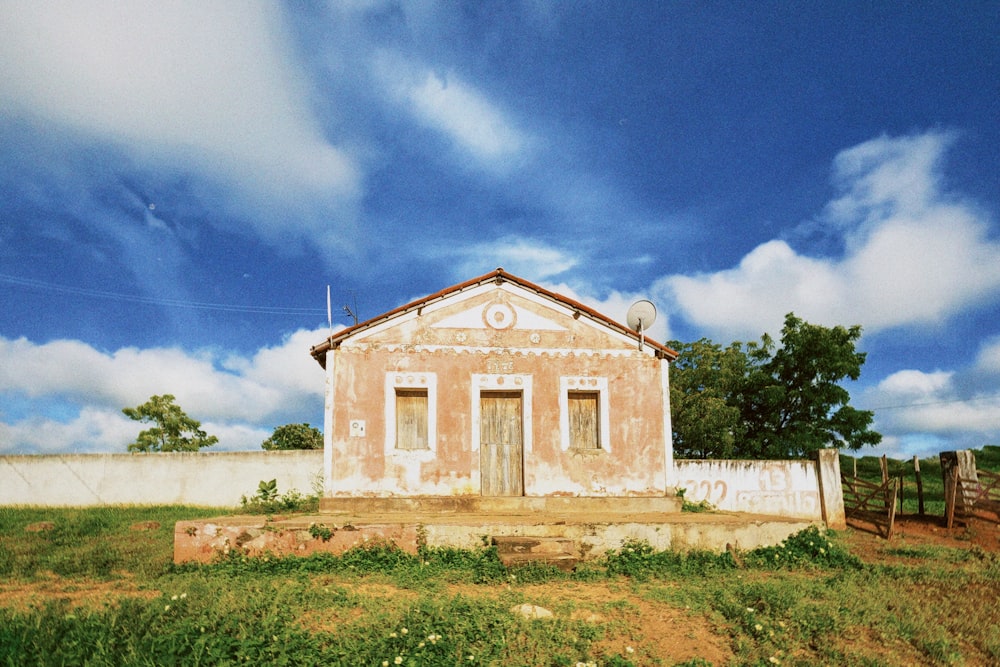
[(506, 463), (501, 382)]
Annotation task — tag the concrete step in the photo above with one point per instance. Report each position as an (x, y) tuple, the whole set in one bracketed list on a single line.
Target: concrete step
[(515, 550), (500, 504)]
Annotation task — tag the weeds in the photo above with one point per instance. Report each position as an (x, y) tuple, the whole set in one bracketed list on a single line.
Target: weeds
[(809, 548), (805, 549), (268, 501), (689, 506)]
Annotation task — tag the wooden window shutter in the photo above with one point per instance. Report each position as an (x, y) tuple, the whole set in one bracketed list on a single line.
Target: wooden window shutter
[(411, 419), (584, 420)]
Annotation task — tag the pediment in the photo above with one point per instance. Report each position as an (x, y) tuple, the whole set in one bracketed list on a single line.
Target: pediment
[(494, 310), (498, 316)]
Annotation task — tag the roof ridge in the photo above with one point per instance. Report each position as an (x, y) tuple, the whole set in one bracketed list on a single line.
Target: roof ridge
[(499, 275)]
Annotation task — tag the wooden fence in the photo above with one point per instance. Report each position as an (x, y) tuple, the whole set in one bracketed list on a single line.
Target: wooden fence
[(871, 504), (972, 494)]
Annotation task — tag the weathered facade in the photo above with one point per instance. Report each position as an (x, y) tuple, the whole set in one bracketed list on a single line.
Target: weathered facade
[(495, 387)]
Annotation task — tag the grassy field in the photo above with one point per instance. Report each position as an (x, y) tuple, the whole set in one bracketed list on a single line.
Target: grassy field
[(97, 587)]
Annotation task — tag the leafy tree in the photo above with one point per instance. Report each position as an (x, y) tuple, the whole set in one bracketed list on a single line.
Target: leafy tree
[(174, 431), (294, 436), (759, 401), (795, 403), (703, 378)]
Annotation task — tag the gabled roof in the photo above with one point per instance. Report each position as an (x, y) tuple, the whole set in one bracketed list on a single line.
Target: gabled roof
[(497, 276)]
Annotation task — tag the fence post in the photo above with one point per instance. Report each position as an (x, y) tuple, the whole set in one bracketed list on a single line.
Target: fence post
[(920, 485), (950, 493), (963, 463), (901, 491), (831, 493)]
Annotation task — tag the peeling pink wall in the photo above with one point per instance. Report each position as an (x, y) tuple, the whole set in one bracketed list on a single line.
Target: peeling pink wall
[(497, 339)]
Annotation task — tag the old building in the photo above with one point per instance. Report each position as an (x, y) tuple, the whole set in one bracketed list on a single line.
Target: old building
[(495, 387)]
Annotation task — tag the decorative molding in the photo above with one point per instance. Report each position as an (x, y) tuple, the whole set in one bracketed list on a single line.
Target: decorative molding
[(502, 382)]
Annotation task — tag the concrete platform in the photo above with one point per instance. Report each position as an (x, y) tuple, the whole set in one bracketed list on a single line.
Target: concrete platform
[(505, 505), (591, 525)]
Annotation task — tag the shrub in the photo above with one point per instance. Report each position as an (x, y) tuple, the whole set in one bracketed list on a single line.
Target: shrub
[(267, 500)]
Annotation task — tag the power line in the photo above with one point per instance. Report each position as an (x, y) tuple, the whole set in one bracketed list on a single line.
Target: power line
[(156, 301), (928, 403)]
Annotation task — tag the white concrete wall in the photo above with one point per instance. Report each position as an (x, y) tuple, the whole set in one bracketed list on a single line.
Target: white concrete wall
[(218, 479), (775, 488), (211, 479)]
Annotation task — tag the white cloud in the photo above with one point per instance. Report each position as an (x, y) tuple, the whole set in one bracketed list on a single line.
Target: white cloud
[(910, 385), (769, 282), (525, 258), (211, 85), (287, 367), (93, 430), (462, 113), (914, 255), (887, 177), (988, 360), (239, 397), (233, 437), (911, 401), (454, 108), (97, 430)]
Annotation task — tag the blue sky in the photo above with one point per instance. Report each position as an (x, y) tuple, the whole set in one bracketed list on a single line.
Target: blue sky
[(180, 181)]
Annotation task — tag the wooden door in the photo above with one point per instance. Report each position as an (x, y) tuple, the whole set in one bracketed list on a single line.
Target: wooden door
[(501, 443)]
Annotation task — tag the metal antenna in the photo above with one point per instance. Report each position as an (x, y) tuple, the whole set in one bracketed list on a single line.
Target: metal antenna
[(329, 313)]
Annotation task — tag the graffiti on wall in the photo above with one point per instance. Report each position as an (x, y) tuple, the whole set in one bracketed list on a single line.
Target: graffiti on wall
[(771, 491)]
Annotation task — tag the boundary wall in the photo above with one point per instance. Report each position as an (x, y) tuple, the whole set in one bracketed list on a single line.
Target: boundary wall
[(209, 479), (809, 490), (794, 489)]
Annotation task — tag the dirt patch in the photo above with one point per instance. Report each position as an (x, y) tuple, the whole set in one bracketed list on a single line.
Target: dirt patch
[(647, 632), (335, 618), (22, 596), (644, 631), (917, 531)]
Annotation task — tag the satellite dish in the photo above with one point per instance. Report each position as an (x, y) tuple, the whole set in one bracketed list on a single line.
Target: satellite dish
[(640, 317)]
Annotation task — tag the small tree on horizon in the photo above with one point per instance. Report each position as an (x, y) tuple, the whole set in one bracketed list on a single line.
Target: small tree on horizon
[(294, 436), (174, 431)]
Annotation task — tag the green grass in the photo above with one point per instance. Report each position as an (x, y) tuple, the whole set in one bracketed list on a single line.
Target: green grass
[(95, 542), (806, 601)]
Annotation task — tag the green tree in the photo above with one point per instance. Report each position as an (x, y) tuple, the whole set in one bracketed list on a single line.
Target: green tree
[(174, 431), (794, 402), (702, 380), (761, 401), (294, 436)]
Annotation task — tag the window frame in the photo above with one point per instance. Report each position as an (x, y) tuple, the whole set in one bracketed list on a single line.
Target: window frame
[(409, 381), (424, 403), (586, 385)]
